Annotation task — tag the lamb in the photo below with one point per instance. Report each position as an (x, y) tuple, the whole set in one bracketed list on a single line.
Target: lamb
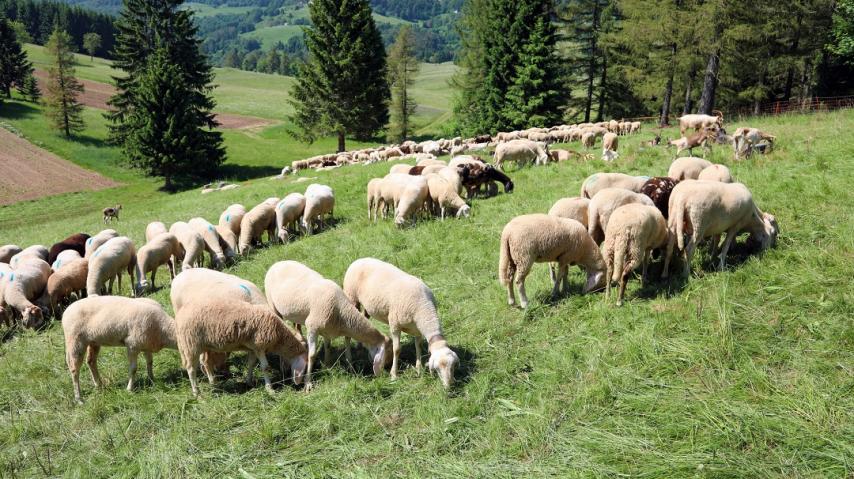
[(111, 212), (702, 138), (288, 213), (25, 286), (154, 229), (539, 238), (521, 151), (715, 173), (192, 248), (697, 122), (301, 295), (405, 303), (603, 205), (163, 249), (62, 259), (35, 251), (658, 189), (444, 195), (706, 209), (76, 242), (599, 181), (687, 168), (140, 325), (96, 241), (253, 224), (71, 278), (211, 239), (745, 140), (222, 326), (8, 251), (232, 216), (572, 208), (319, 201), (634, 230), (609, 146), (107, 263)]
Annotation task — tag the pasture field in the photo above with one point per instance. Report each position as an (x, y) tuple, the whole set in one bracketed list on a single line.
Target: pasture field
[(742, 373)]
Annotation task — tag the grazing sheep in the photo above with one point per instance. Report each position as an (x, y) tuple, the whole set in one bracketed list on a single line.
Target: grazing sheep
[(319, 201), (8, 251), (163, 249), (24, 288), (140, 325), (599, 181), (232, 216), (405, 303), (227, 241), (571, 208), (301, 295), (192, 249), (201, 284), (402, 169), (539, 238), (445, 197), (483, 174), (588, 139), (609, 146), (746, 140), (374, 195), (154, 229), (76, 242), (221, 326), (687, 168), (259, 219), (71, 278), (658, 189), (112, 212), (702, 138), (634, 230), (697, 122), (431, 162), (715, 173), (5, 270), (706, 209), (96, 241), (603, 205), (211, 239), (635, 127), (107, 264), (411, 200), (288, 213), (36, 251), (62, 259), (521, 152)]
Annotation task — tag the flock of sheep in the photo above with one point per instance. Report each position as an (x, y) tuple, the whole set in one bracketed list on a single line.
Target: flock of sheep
[(611, 229)]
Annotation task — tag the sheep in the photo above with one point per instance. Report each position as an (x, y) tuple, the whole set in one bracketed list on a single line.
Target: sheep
[(687, 168), (24, 287), (444, 195), (539, 238), (603, 205), (452, 175), (192, 248), (609, 146), (745, 140), (566, 155), (319, 201), (411, 200), (211, 239), (572, 208), (163, 249), (222, 326), (635, 127), (8, 251), (483, 174), (154, 229), (702, 138), (405, 303), (76, 242), (431, 162), (227, 241), (62, 259), (111, 212), (374, 198), (253, 224), (715, 173), (35, 251), (96, 241), (706, 209), (697, 121), (232, 216), (301, 295), (658, 189), (5, 270), (140, 325), (71, 278), (107, 263), (588, 139), (465, 160), (521, 151), (401, 169), (599, 181), (288, 213), (634, 230)]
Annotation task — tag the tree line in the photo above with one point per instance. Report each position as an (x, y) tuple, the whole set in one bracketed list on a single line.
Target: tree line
[(39, 19)]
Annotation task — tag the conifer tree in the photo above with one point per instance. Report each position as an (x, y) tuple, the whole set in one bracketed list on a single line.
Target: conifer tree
[(29, 89), (91, 43), (14, 66), (403, 67), (62, 106)]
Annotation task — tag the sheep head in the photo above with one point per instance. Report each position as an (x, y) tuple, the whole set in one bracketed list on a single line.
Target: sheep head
[(443, 361), (32, 316), (298, 364), (381, 355), (595, 281), (464, 211)]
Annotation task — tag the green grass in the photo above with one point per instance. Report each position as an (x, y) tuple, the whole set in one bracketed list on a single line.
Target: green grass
[(742, 373), (95, 69), (205, 10)]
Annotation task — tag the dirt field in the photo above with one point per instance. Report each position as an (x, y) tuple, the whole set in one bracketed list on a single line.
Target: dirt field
[(28, 172), (96, 94)]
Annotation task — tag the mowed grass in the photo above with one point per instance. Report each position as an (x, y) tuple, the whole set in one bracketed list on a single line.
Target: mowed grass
[(741, 373)]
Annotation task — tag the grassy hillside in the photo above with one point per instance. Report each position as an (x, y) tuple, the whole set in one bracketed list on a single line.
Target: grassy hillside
[(742, 373)]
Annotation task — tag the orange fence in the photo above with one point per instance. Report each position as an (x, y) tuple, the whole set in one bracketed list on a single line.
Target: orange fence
[(806, 105)]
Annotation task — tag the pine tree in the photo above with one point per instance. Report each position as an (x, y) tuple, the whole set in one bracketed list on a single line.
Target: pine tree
[(91, 43), (146, 27), (342, 88), (29, 89), (403, 67), (62, 106), (14, 66), (476, 33)]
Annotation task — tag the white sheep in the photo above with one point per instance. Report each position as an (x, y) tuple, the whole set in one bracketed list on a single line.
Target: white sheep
[(405, 303), (599, 181), (288, 213), (301, 295), (8, 251), (160, 250), (521, 152), (64, 258), (410, 200), (96, 241), (699, 121), (588, 139), (34, 251), (634, 230), (319, 201), (232, 217), (71, 278), (107, 263), (140, 325), (445, 196), (259, 219), (715, 173), (192, 249), (402, 169), (154, 229), (687, 168), (212, 240), (227, 241), (609, 146), (24, 291), (374, 197), (540, 238), (572, 208), (604, 203)]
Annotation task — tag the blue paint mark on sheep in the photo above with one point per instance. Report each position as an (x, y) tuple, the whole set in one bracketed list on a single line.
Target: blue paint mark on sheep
[(210, 228), (228, 218), (89, 241), (11, 277), (246, 289), (57, 264)]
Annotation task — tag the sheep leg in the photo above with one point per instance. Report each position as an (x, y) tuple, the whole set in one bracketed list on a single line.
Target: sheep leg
[(565, 280), (562, 269), (671, 243), (171, 265), (327, 351), (265, 371), (92, 361), (209, 369), (191, 373), (110, 285), (153, 274), (395, 348), (132, 364), (730, 236), (523, 298), (623, 280), (311, 339), (149, 365), (646, 255), (418, 354), (347, 352), (251, 360), (74, 358), (689, 253)]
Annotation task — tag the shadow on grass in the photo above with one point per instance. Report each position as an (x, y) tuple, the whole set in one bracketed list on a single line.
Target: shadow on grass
[(247, 172), (16, 110)]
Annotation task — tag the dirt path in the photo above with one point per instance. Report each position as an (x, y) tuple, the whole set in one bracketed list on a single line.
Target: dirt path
[(28, 172), (96, 94)]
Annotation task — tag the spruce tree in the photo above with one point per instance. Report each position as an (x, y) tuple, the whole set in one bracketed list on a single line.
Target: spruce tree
[(342, 88), (29, 89), (476, 33), (91, 43), (146, 27), (62, 106), (403, 66), (14, 66)]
